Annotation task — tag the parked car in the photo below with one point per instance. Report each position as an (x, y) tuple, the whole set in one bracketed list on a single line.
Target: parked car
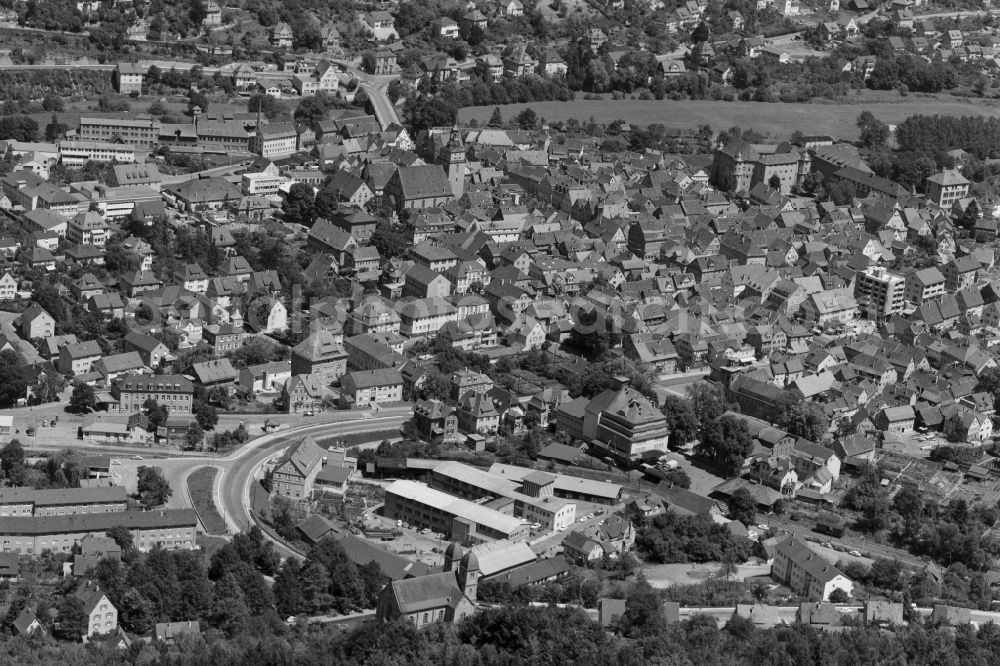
[(426, 530), (854, 553)]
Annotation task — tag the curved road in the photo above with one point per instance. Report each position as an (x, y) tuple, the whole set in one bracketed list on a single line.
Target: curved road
[(231, 490), (234, 482)]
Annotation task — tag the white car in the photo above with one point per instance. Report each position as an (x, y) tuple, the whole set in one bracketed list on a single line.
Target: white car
[(854, 553), (535, 526), (590, 516), (582, 520), (426, 530)]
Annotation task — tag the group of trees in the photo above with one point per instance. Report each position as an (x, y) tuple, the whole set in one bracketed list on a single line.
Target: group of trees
[(669, 538), (950, 533), (56, 470), (598, 376), (574, 589), (723, 437), (548, 635), (227, 592), (935, 134)]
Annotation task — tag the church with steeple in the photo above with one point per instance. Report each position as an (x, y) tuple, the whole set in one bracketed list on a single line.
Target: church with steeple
[(449, 596)]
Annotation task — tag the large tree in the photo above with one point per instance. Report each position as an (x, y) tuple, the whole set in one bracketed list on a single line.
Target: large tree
[(805, 419), (73, 620), (13, 387), (152, 486), (11, 456), (311, 110), (326, 203), (390, 240), (205, 414), (681, 419), (726, 442), (83, 399), (194, 435), (123, 537), (156, 413), (299, 205), (874, 133), (743, 507), (708, 402)]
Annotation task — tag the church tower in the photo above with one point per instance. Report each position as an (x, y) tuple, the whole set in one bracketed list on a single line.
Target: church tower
[(468, 575), (452, 556), (452, 158)]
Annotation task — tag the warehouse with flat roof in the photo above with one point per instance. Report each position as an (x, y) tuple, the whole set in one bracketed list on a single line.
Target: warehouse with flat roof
[(459, 519), (564, 485), (536, 503)]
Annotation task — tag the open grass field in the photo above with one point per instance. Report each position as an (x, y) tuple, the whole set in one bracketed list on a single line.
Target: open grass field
[(775, 119), (200, 488)]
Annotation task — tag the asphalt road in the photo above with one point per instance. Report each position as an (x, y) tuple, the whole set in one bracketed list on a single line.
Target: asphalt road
[(232, 489)]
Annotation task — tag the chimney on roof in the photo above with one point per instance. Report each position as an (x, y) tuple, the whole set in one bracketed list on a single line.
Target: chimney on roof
[(620, 381)]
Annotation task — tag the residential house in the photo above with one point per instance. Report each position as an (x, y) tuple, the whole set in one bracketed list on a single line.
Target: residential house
[(370, 388), (295, 473), (806, 572)]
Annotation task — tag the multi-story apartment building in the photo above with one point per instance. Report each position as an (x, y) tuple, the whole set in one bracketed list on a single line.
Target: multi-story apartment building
[(879, 293), (140, 132), (364, 352), (321, 355), (222, 337), (62, 501), (806, 572), (367, 388), (423, 317), (947, 187), (76, 154), (88, 229), (276, 140), (31, 535), (128, 77), (175, 392), (924, 285)]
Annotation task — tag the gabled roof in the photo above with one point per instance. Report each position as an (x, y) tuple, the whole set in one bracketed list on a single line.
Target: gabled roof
[(805, 558), (303, 456), (423, 181), (425, 592)]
